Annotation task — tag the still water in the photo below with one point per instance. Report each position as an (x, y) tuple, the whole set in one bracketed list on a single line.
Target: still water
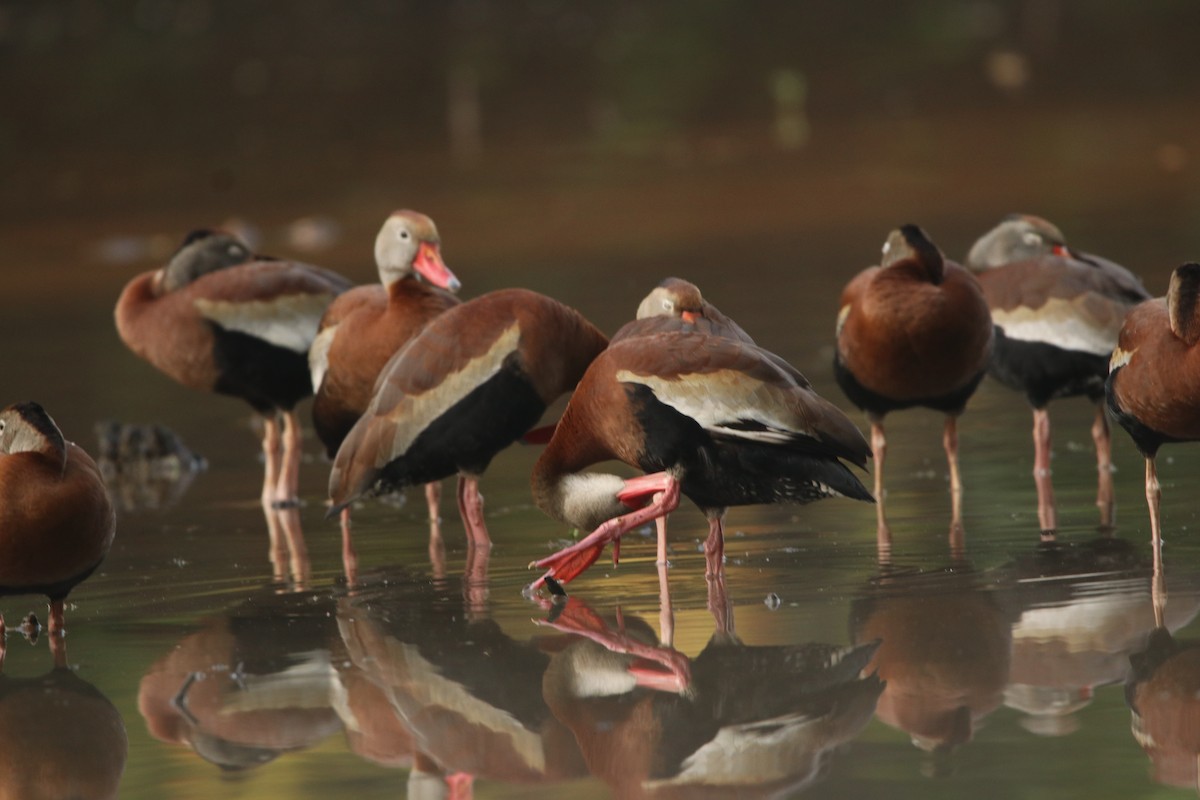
[(995, 664)]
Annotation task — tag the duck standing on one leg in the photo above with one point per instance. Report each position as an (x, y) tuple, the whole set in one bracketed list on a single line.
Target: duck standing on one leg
[(56, 520), (1153, 389), (219, 319), (1057, 313), (913, 331), (365, 326), (708, 417)]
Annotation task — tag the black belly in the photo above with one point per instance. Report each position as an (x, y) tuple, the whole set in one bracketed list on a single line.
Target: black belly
[(267, 377), (1144, 437), (878, 405), (1043, 371), (718, 472), (470, 433)]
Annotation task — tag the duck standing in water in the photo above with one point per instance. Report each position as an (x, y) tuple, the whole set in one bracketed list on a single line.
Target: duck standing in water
[(471, 383), (715, 419), (1153, 388), (365, 326), (913, 331), (1057, 313), (217, 318), (56, 520)]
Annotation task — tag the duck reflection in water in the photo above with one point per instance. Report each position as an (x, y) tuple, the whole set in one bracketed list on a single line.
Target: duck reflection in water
[(1163, 693), (146, 467), (1081, 609), (469, 694), (945, 649), (252, 684), (737, 720), (60, 736)]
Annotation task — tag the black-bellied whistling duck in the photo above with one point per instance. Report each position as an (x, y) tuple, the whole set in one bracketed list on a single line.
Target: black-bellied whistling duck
[(1057, 314), (56, 521), (913, 331), (215, 320), (365, 326), (1153, 389), (468, 385), (676, 304), (712, 418)]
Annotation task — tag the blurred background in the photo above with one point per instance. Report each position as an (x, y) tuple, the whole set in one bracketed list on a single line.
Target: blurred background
[(556, 129)]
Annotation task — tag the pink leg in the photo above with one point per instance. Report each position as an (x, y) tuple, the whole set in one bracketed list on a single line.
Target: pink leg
[(437, 547), (660, 526), (58, 651), (277, 549), (470, 507), (349, 554), (950, 444), (1047, 515), (666, 611), (879, 452), (475, 581), (1105, 498), (460, 786), (433, 499), (660, 668), (270, 446), (719, 607), (569, 562), (57, 622), (714, 546), (1153, 496), (287, 489), (289, 520)]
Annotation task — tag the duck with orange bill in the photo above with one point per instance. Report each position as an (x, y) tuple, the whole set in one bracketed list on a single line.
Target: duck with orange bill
[(714, 419), (219, 319), (913, 331), (56, 520), (471, 383), (365, 326), (1057, 313)]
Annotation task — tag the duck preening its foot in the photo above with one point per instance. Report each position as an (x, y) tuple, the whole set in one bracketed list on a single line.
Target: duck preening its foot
[(663, 493)]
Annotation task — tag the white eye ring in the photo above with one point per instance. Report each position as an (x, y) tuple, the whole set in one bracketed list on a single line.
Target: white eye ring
[(1031, 238), (886, 246), (668, 305), (403, 234)]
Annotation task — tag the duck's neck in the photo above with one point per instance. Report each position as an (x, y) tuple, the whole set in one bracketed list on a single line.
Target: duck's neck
[(583, 500)]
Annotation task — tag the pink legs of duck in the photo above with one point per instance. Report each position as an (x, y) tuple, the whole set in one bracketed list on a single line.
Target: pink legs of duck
[(663, 492), (1047, 515), (288, 550), (950, 444), (437, 548), (878, 454), (883, 533), (281, 452), (1153, 496), (470, 507)]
